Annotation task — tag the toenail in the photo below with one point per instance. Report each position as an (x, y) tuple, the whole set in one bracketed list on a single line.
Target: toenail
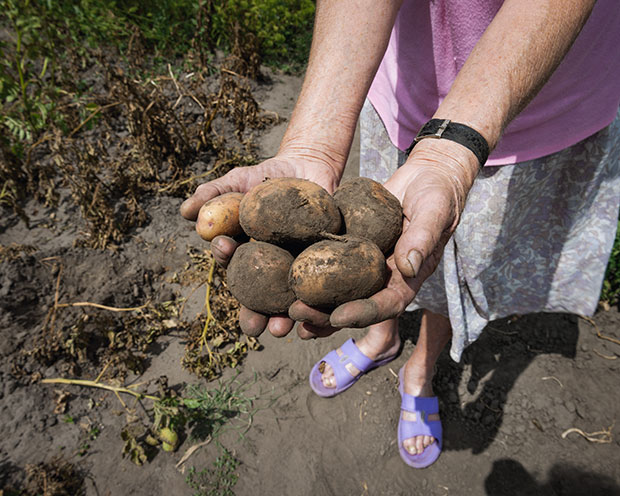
[(322, 367)]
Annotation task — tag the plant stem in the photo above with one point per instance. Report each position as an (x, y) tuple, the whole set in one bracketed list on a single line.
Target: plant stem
[(108, 387)]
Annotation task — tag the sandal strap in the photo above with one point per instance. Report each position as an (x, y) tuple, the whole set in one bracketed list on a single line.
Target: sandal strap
[(355, 356), (341, 374), (416, 404), (350, 354), (420, 427)]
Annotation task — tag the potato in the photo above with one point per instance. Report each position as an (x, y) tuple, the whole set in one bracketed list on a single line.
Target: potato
[(258, 277), (288, 211), (370, 211), (220, 216), (332, 272)]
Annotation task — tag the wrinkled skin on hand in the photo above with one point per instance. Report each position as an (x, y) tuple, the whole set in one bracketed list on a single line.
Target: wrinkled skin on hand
[(432, 187), (241, 180)]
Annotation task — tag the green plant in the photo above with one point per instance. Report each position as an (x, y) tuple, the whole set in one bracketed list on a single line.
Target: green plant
[(611, 285), (205, 412), (27, 62), (283, 28), (208, 411), (218, 481)]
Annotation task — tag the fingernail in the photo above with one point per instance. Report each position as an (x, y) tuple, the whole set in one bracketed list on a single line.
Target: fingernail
[(215, 245), (415, 261)]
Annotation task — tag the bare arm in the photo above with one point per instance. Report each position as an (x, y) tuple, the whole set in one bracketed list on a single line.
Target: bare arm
[(509, 65), (349, 40), (514, 58), (512, 61), (350, 37)]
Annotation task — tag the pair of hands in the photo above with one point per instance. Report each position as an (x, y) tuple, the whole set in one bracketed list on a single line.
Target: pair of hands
[(431, 186)]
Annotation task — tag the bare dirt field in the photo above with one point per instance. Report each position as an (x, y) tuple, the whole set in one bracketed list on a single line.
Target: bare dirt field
[(507, 409)]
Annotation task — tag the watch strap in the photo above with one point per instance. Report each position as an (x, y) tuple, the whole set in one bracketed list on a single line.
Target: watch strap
[(453, 131)]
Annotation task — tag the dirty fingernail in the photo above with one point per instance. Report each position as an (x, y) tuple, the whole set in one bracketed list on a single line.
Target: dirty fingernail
[(415, 261)]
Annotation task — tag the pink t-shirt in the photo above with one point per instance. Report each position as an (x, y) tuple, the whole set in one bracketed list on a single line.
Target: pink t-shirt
[(429, 44)]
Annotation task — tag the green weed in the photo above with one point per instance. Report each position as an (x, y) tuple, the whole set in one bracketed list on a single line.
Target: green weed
[(218, 481), (611, 285), (283, 28)]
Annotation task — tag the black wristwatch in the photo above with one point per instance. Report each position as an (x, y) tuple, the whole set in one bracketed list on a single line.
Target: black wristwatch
[(453, 131)]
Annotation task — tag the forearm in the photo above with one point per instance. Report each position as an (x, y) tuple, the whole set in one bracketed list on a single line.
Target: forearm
[(349, 40), (512, 61)]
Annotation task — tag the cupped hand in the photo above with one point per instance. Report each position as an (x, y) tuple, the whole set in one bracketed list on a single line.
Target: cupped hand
[(432, 187), (241, 180)]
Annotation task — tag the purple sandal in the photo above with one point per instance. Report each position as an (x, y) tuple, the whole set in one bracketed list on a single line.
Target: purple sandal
[(422, 407), (344, 379)]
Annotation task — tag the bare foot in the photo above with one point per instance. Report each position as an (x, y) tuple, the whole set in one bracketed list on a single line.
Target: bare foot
[(381, 342), (418, 382)]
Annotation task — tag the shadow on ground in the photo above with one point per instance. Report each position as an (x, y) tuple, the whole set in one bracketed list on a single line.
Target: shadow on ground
[(473, 413), (510, 478)]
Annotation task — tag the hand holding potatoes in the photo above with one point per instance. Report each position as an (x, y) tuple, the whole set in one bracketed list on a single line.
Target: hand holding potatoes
[(432, 186), (242, 179), (287, 217)]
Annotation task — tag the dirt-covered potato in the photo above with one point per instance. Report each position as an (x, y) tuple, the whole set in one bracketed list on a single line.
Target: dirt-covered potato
[(332, 272), (288, 211), (370, 211), (258, 277), (220, 216)]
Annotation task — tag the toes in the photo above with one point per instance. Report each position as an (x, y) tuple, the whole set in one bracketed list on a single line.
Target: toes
[(416, 445), (428, 440), (410, 446), (419, 443), (327, 375)]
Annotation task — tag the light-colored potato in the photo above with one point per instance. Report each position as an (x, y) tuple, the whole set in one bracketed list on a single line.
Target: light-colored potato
[(257, 276), (288, 211), (332, 272), (220, 216)]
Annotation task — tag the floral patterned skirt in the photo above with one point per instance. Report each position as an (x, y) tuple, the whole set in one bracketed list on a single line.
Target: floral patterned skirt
[(534, 236)]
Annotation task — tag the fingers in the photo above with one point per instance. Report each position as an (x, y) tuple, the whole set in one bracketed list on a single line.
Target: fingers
[(313, 323), (301, 312), (235, 180), (204, 193), (223, 248), (384, 305), (308, 331), (280, 325), (252, 323), (421, 236)]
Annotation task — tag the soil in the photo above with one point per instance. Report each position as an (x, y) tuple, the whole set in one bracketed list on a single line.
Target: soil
[(504, 408)]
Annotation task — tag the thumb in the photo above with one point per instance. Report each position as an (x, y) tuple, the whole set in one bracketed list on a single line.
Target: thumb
[(237, 180), (423, 239), (204, 193)]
